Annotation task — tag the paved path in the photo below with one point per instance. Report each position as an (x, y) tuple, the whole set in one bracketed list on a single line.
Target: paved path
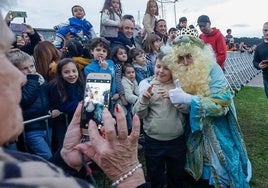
[(257, 81)]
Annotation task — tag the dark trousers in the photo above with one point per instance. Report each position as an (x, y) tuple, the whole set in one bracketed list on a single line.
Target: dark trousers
[(59, 127), (191, 183), (165, 162)]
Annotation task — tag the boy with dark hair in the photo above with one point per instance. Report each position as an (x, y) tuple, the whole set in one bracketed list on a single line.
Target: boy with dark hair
[(142, 68), (172, 34), (182, 23), (228, 36), (99, 48)]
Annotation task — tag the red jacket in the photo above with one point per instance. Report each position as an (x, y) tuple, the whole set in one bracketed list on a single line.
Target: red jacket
[(217, 41)]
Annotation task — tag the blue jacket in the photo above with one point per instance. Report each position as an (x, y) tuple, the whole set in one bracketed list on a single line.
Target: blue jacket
[(215, 140), (76, 26), (34, 101), (141, 73), (75, 95), (122, 40), (95, 67)]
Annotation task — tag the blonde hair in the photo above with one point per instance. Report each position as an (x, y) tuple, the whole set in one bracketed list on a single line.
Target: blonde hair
[(194, 78), (17, 57)]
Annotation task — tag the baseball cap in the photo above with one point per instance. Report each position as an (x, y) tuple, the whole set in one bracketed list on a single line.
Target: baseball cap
[(203, 20)]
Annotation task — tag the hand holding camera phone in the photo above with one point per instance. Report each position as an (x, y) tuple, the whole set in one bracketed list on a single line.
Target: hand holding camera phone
[(15, 14), (264, 61), (97, 96), (18, 27)]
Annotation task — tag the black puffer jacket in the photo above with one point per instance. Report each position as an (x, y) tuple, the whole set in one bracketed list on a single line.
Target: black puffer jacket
[(34, 102)]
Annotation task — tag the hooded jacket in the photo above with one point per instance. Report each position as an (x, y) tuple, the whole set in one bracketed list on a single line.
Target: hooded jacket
[(217, 41)]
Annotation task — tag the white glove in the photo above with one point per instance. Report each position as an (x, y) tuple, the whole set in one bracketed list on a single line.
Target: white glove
[(178, 96)]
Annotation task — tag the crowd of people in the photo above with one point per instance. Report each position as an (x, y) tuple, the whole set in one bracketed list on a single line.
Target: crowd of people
[(168, 85), (242, 47)]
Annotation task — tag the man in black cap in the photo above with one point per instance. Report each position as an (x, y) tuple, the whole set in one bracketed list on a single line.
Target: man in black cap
[(182, 23), (214, 37)]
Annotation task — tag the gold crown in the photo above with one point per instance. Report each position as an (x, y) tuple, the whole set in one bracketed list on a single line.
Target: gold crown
[(189, 32), (188, 35)]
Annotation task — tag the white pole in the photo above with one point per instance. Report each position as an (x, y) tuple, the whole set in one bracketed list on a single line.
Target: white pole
[(162, 7), (175, 13)]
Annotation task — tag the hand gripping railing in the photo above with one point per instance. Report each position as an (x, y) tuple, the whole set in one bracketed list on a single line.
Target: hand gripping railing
[(48, 129)]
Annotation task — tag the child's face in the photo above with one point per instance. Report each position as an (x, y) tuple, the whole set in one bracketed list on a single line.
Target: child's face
[(157, 44), (173, 35), (27, 67), (183, 24), (140, 59), (162, 72), (122, 55), (99, 53), (115, 4), (20, 41), (26, 37), (153, 8), (69, 73), (78, 12), (130, 73)]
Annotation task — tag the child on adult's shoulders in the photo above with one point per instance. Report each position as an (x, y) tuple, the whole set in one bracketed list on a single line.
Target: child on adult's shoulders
[(77, 26)]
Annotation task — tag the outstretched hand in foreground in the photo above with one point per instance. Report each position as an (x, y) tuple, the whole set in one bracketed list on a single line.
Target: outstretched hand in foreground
[(116, 153)]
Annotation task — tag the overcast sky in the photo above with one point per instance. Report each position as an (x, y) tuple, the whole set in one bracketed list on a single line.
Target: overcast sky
[(245, 18)]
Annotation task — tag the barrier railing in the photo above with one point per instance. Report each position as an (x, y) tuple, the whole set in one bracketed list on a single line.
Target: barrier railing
[(37, 119), (41, 118), (239, 69), (44, 118)]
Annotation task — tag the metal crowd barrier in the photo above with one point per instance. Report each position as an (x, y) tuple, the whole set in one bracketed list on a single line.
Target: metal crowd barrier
[(239, 69), (48, 128), (46, 117)]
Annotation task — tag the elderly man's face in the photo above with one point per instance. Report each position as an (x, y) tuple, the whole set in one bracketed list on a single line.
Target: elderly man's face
[(161, 27), (12, 79), (128, 28)]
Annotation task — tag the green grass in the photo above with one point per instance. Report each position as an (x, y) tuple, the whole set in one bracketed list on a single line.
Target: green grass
[(252, 110)]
